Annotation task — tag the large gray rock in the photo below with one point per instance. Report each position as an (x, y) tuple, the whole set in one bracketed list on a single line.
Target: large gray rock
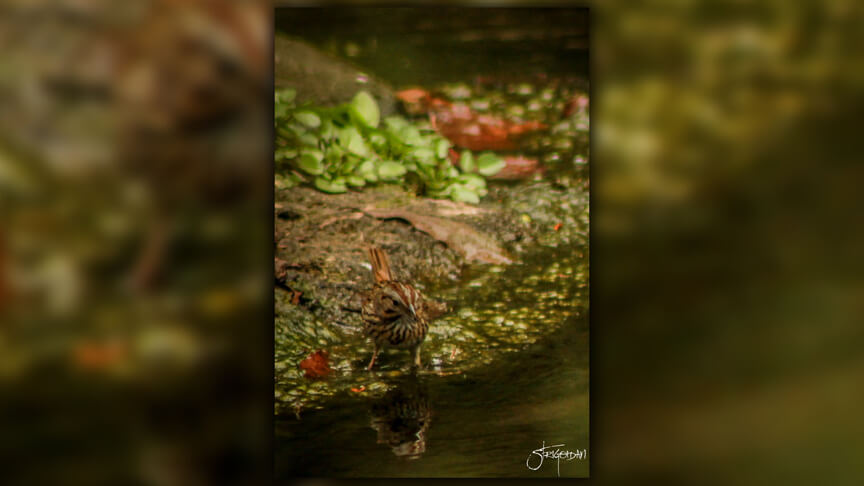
[(322, 79)]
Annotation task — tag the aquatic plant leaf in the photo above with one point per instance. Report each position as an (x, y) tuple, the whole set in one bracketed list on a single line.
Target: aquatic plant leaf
[(352, 140), (308, 118), (285, 153), (310, 162), (378, 141), (334, 153), (472, 181), (285, 96), (347, 167), (410, 135), (395, 123), (489, 164), (327, 130), (389, 170), (442, 148), (366, 109), (335, 186), (308, 140), (424, 156), (355, 181), (366, 170), (460, 193), (466, 161)]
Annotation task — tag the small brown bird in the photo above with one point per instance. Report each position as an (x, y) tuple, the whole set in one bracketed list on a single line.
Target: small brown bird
[(394, 313)]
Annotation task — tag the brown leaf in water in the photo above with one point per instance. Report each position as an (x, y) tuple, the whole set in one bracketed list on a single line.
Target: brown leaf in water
[(316, 365), (518, 167), (467, 241), (468, 129)]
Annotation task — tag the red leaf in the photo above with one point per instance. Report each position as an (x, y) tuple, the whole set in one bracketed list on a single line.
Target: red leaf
[(470, 130), (465, 127), (412, 95), (414, 100), (518, 167), (316, 365)]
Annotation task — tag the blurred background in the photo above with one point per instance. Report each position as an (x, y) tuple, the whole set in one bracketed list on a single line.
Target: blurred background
[(135, 256), (727, 281), (726, 287)]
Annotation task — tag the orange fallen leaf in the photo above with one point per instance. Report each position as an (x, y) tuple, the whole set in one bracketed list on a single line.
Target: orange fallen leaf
[(295, 297), (412, 95), (316, 366), (359, 390), (98, 355), (558, 226)]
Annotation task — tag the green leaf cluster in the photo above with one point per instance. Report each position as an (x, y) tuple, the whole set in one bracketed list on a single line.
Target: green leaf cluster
[(350, 146)]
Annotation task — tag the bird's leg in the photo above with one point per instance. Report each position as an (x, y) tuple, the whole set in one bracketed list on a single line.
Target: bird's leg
[(374, 355), (417, 356)]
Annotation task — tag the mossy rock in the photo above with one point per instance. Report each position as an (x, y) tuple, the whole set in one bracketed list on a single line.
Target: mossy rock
[(322, 79)]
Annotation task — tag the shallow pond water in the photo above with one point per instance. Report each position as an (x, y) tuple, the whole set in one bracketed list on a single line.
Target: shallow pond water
[(519, 378), (506, 371)]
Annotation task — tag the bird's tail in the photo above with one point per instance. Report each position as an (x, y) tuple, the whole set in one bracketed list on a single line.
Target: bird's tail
[(380, 264)]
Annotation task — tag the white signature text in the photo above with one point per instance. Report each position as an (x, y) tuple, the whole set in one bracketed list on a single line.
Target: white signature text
[(551, 452)]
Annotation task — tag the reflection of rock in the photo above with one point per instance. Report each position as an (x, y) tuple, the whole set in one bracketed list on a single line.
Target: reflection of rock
[(323, 79), (401, 418)]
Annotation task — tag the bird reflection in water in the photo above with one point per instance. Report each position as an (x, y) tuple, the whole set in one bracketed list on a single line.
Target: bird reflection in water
[(401, 417)]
